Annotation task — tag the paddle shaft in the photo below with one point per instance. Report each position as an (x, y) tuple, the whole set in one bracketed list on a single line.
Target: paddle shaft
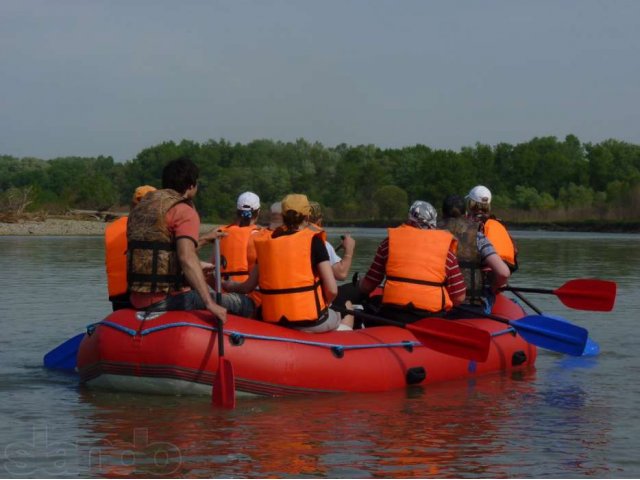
[(544, 331), (374, 318), (529, 290), (476, 313), (529, 304), (438, 334), (589, 294), (591, 348), (219, 295), (224, 390)]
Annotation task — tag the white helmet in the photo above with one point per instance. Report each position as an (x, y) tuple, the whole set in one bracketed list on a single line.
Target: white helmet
[(480, 194), (479, 200)]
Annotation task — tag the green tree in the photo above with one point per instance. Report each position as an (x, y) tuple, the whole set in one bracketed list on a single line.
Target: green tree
[(391, 201)]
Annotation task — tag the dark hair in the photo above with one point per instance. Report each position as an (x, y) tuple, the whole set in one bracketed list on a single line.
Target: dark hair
[(180, 174), (245, 216), (292, 219), (453, 206)]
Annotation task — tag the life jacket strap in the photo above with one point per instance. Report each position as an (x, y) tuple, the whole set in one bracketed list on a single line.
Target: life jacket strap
[(417, 282), (285, 291)]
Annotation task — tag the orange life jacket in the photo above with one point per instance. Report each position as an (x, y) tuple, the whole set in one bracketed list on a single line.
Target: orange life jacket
[(502, 242), (234, 247), (115, 256), (291, 291), (416, 268)]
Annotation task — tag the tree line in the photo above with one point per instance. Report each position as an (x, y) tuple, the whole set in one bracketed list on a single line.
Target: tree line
[(542, 179)]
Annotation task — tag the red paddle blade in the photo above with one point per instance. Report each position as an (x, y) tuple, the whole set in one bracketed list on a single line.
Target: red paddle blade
[(456, 339), (588, 294), (224, 385)]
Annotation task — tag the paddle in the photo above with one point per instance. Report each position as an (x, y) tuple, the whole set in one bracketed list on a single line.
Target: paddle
[(63, 357), (544, 331), (581, 294), (591, 348), (223, 391), (441, 335)]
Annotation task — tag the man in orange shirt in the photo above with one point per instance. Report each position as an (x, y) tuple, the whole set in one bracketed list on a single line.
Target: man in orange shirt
[(164, 271), (115, 242)]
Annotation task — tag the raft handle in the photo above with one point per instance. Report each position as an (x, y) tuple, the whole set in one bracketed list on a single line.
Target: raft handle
[(518, 358), (416, 375), (337, 351)]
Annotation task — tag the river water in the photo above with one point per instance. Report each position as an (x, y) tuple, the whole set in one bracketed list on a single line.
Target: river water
[(569, 417)]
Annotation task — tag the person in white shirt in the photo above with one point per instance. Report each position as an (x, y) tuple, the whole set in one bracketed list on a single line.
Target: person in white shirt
[(340, 266)]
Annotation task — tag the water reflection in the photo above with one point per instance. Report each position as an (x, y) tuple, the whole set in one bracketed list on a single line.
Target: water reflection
[(473, 428)]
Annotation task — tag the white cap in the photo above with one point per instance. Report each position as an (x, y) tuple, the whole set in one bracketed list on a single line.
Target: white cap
[(276, 207), (248, 201), (480, 194)]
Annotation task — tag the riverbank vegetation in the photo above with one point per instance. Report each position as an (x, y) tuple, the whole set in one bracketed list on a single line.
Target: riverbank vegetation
[(542, 181)]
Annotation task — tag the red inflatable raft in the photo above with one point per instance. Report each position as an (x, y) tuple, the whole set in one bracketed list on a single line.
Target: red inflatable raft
[(176, 353)]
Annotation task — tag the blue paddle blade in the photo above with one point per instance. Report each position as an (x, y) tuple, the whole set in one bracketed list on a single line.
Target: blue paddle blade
[(63, 357), (591, 349), (552, 333)]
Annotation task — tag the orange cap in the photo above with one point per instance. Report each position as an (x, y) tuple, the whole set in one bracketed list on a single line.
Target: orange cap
[(141, 192), (296, 202)]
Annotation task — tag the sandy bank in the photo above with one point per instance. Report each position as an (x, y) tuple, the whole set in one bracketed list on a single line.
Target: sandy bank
[(60, 227)]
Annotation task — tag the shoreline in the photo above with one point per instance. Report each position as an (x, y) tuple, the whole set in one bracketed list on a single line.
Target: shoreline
[(59, 227), (81, 227)]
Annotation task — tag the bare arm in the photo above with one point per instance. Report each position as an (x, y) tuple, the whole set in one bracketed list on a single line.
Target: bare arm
[(249, 285), (210, 236), (190, 264), (341, 269), (500, 270), (329, 285)]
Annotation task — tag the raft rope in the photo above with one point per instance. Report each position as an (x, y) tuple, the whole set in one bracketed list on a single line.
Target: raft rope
[(236, 337), (502, 332)]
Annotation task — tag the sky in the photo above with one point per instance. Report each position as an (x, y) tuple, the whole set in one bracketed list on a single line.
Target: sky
[(89, 78)]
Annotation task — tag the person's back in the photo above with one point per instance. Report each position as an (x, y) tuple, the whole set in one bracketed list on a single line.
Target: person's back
[(469, 257), (479, 209), (416, 269), (115, 238), (294, 274), (420, 267), (115, 242), (164, 271), (236, 246), (291, 290), (153, 262)]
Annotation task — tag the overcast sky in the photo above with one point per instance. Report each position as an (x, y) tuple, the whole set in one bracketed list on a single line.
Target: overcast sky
[(88, 78)]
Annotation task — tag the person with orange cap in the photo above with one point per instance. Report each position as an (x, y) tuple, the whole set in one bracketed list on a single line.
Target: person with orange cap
[(115, 242), (294, 274)]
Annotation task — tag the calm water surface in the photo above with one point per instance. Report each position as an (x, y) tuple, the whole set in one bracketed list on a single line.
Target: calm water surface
[(570, 417)]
